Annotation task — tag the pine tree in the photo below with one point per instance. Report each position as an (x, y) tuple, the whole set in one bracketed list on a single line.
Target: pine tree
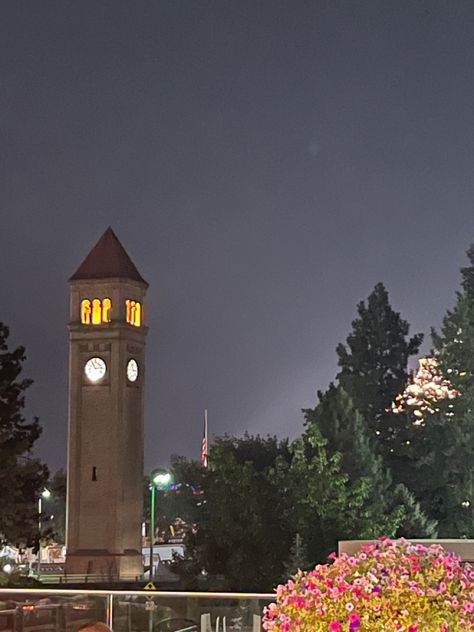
[(374, 368), (415, 523), (298, 559), (444, 442), (21, 476), (346, 432)]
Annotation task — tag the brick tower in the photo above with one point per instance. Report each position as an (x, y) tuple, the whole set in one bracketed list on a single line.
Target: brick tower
[(107, 332)]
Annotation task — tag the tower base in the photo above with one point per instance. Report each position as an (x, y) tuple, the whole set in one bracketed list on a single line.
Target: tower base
[(100, 565)]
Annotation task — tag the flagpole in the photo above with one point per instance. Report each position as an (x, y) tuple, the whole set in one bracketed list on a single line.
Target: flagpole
[(205, 446), (205, 434)]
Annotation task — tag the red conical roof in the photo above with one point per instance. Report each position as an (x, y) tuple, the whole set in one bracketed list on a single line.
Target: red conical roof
[(108, 260)]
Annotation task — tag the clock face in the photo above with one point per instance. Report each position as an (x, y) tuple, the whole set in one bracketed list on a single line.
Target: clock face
[(95, 369), (132, 370)]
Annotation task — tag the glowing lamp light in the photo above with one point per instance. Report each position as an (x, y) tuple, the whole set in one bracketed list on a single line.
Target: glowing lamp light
[(161, 479)]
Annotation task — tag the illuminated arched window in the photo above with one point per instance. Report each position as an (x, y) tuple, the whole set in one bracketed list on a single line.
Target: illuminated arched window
[(106, 306), (134, 313), (96, 312), (86, 312), (138, 315)]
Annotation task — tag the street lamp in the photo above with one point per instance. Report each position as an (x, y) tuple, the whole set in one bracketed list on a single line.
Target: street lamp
[(45, 494), (159, 479)]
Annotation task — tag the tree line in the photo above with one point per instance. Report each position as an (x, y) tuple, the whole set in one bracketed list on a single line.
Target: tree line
[(363, 466), (382, 452)]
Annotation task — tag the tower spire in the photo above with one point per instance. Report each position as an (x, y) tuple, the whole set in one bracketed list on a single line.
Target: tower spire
[(108, 259)]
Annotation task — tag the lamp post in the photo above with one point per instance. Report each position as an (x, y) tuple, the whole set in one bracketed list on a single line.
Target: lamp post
[(159, 479), (44, 494)]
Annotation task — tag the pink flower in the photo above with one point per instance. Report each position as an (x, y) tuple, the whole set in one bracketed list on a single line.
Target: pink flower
[(381, 590)]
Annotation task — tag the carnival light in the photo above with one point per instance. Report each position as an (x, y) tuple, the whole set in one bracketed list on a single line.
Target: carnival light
[(428, 388)]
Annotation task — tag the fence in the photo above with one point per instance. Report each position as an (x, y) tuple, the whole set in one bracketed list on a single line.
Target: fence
[(41, 610)]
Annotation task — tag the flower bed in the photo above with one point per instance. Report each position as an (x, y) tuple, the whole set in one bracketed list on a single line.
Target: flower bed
[(390, 585)]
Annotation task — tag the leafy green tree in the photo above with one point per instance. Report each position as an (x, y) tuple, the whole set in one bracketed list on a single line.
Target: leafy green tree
[(374, 368), (21, 476), (243, 541), (260, 493), (347, 433), (325, 506)]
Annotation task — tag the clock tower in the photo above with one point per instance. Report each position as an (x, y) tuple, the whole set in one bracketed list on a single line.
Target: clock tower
[(107, 332)]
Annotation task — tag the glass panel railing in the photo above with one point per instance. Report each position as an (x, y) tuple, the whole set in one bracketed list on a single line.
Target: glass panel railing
[(38, 610), (190, 612)]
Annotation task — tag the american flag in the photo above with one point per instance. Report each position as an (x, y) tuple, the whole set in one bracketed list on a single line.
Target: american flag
[(204, 446)]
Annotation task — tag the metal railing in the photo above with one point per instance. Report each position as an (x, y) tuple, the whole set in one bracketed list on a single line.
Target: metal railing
[(48, 610)]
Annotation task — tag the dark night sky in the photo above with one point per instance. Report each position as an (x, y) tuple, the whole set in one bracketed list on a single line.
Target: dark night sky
[(264, 163)]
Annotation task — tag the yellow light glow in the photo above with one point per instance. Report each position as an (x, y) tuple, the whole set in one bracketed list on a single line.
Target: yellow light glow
[(86, 312), (96, 312), (134, 313), (138, 315), (106, 307)]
